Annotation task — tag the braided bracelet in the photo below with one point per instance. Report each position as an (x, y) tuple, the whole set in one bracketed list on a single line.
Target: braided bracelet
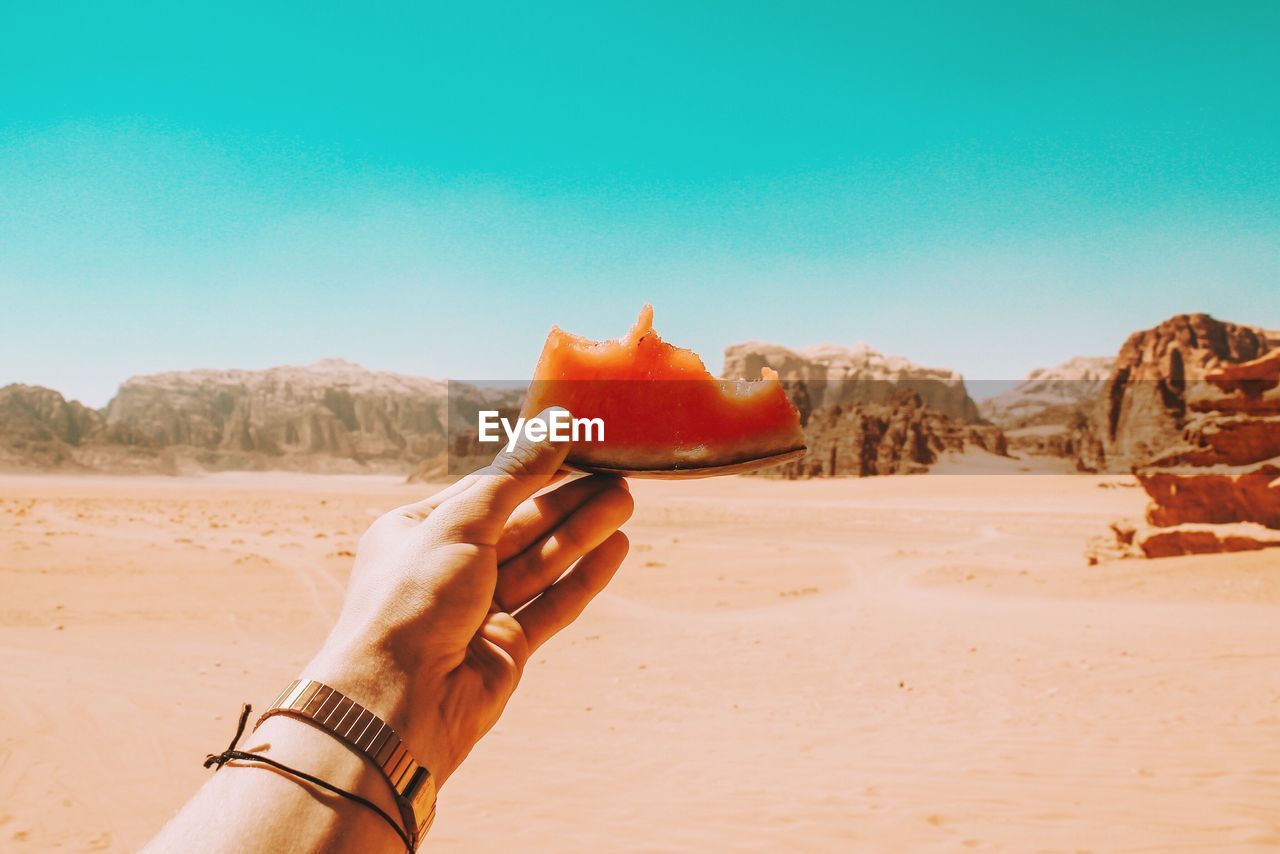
[(233, 753)]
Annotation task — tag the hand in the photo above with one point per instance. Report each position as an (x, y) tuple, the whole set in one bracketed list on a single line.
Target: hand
[(449, 596)]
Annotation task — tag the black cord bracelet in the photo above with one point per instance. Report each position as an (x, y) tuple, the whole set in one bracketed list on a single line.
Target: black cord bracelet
[(232, 752)]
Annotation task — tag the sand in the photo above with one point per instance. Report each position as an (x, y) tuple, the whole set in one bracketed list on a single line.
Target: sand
[(913, 663)]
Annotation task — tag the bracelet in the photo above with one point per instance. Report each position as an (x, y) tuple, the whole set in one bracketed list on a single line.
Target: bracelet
[(412, 785), (233, 753)]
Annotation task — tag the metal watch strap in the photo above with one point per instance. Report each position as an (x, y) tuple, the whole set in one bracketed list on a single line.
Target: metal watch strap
[(356, 726)]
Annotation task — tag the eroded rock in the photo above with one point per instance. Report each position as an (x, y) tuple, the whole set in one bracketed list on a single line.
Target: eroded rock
[(899, 436), (1191, 539), (1143, 407), (1217, 494), (827, 375)]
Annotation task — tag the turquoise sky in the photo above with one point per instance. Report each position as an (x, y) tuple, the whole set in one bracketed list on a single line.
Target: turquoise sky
[(427, 188)]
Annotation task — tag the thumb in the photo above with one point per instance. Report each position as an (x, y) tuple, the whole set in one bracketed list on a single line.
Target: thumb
[(478, 513)]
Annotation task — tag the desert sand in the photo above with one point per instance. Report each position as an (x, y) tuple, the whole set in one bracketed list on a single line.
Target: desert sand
[(904, 663)]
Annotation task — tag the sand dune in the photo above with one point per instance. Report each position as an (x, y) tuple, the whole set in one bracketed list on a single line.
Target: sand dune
[(884, 664)]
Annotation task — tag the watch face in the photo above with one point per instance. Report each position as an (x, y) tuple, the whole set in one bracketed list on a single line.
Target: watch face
[(421, 793)]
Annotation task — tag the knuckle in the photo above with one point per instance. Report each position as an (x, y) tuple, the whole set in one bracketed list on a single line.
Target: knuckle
[(516, 461)]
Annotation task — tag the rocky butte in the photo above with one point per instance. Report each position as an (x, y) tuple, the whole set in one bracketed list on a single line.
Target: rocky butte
[(829, 374), (39, 428), (1219, 489), (866, 413), (1142, 408), (1194, 408), (897, 436)]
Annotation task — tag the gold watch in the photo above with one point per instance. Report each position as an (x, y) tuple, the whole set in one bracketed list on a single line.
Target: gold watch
[(356, 726)]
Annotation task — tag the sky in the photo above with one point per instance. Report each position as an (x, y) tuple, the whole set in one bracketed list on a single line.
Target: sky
[(427, 188)]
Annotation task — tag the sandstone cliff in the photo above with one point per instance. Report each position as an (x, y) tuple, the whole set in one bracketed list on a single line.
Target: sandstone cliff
[(898, 436), (828, 374), (238, 418), (1143, 407), (331, 416), (1218, 487), (39, 428)]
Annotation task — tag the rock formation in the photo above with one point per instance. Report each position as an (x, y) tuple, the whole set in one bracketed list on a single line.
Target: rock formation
[(898, 436), (1207, 539), (1143, 407), (1045, 413), (828, 374), (40, 428), (330, 416), (1218, 488), (239, 418), (1213, 494)]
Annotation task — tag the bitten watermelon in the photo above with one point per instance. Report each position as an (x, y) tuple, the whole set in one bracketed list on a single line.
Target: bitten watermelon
[(664, 414)]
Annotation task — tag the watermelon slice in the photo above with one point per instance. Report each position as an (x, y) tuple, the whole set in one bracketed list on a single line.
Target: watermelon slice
[(664, 414)]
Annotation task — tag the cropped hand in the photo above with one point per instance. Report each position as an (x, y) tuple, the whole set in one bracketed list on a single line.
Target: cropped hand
[(449, 596)]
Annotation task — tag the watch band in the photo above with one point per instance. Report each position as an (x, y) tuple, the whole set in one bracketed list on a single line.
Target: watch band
[(356, 726)]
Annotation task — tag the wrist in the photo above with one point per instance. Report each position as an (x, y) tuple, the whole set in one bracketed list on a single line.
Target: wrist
[(369, 672), (308, 747)]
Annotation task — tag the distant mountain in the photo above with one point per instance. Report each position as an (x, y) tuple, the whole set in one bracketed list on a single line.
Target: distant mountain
[(332, 408), (1040, 414), (335, 416), (900, 435), (864, 411), (329, 416), (41, 428), (829, 374)]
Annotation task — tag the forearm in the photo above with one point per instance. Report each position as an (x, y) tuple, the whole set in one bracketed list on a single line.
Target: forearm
[(250, 806), (253, 807)]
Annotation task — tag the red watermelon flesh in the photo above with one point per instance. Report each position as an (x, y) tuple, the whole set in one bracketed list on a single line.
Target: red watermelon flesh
[(663, 412)]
